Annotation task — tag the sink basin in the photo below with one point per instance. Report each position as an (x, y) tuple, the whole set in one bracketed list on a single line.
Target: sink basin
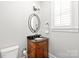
[(37, 39)]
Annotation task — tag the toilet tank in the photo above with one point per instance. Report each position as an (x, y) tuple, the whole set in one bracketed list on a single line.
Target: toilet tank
[(10, 52)]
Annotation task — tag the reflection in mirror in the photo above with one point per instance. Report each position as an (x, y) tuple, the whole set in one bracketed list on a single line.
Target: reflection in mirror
[(34, 23)]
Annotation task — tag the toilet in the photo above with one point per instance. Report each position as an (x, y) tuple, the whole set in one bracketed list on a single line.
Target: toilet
[(10, 52)]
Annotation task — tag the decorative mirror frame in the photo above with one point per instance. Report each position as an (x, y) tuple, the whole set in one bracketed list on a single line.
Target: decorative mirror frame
[(29, 23)]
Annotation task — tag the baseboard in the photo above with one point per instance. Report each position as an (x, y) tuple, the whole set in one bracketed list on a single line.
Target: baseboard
[(52, 56)]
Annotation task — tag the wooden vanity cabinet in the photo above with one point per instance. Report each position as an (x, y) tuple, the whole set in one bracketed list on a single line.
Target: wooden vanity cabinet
[(37, 48)]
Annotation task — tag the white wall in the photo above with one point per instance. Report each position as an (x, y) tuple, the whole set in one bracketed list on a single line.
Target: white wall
[(14, 28), (45, 16), (61, 44), (14, 23)]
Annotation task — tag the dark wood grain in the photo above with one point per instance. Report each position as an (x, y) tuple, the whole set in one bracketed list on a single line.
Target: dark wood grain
[(37, 49)]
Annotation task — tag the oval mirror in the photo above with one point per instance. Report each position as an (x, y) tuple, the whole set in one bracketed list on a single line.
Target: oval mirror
[(34, 23)]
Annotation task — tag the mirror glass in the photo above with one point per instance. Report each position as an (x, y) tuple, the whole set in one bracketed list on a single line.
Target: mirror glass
[(34, 23)]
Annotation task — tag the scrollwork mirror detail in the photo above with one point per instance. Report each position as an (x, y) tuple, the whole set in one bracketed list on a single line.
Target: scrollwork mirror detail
[(34, 23)]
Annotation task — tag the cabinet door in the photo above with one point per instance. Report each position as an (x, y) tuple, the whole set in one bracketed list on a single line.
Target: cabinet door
[(31, 49), (31, 53), (42, 49), (45, 52), (39, 53)]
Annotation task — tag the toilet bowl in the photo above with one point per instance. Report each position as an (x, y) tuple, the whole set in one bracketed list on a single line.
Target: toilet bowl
[(10, 52)]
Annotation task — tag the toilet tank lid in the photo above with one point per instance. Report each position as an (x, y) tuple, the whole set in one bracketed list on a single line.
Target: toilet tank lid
[(9, 48)]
